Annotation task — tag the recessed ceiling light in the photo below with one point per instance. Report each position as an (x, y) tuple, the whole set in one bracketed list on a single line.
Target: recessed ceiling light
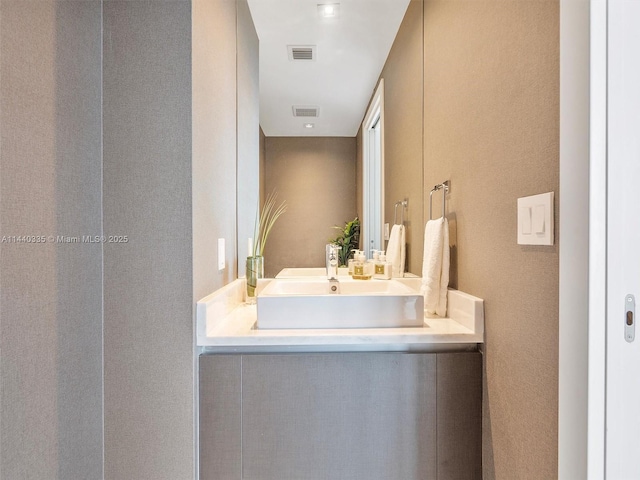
[(308, 125), (329, 10)]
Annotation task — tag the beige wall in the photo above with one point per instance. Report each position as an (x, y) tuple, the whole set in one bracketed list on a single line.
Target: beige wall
[(491, 96), (316, 177)]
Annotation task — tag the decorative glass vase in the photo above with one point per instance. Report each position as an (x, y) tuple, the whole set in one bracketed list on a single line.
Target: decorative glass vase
[(255, 270)]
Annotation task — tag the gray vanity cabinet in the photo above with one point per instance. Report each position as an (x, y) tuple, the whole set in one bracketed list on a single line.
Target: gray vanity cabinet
[(360, 416)]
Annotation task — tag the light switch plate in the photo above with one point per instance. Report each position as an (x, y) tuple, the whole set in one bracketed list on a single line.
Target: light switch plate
[(221, 254), (386, 231), (535, 220)]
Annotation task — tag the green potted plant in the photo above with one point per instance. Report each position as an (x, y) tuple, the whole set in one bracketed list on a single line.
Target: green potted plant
[(348, 240), (263, 225)]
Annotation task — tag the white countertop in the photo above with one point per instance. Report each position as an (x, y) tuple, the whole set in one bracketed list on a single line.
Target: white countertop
[(225, 323)]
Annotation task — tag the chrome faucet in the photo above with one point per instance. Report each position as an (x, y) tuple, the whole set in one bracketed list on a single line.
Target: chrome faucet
[(332, 261)]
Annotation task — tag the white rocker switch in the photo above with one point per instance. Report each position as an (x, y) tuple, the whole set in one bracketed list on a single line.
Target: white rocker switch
[(538, 219), (525, 220)]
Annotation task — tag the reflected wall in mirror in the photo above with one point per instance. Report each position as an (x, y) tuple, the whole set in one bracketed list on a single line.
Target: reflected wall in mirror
[(311, 114), (403, 132)]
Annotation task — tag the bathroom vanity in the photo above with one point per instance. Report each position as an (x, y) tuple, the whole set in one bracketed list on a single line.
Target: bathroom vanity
[(356, 403)]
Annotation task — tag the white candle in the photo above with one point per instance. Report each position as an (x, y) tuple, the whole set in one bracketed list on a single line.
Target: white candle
[(250, 247)]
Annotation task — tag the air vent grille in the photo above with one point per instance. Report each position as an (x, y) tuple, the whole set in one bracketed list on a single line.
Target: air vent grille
[(305, 111), (302, 52)]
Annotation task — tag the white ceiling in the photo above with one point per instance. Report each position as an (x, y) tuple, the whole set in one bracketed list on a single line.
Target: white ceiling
[(351, 50)]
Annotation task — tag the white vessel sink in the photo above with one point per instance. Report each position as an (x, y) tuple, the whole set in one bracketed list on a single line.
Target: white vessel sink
[(295, 303)]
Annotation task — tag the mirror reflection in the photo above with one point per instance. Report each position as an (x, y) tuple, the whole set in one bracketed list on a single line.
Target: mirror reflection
[(340, 123)]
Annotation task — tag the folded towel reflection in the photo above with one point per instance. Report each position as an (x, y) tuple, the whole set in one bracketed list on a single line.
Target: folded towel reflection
[(396, 250), (435, 266)]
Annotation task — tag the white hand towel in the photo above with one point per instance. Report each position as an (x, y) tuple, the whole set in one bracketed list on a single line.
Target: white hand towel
[(396, 250), (435, 266)]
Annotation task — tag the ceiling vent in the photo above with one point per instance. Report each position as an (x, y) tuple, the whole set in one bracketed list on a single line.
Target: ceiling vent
[(301, 52), (306, 111)]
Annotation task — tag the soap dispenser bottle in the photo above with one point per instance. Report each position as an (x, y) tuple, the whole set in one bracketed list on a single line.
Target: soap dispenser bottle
[(371, 263), (383, 268), (375, 256), (358, 265), (351, 262), (360, 271)]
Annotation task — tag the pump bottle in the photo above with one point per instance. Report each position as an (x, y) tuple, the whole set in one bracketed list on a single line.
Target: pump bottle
[(360, 267), (383, 268)]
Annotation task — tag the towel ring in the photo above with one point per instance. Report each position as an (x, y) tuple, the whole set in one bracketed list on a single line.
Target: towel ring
[(444, 186), (395, 211)]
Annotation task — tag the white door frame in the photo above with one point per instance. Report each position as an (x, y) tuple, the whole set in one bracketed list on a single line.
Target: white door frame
[(375, 111), (597, 241), (582, 248)]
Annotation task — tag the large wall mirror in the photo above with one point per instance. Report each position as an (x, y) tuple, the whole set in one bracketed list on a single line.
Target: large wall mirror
[(320, 63)]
